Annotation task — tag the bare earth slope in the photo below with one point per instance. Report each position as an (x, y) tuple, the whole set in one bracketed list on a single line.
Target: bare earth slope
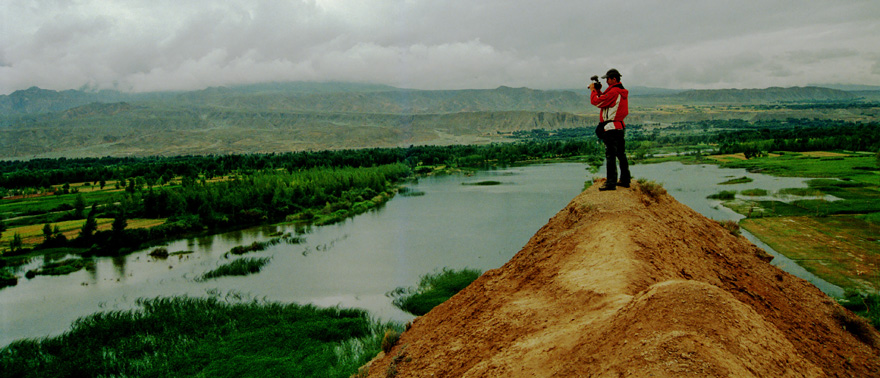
[(630, 284)]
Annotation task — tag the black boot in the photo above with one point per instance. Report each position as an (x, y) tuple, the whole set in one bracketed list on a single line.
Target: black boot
[(607, 187)]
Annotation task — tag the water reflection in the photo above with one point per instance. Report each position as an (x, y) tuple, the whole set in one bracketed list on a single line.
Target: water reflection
[(119, 263)]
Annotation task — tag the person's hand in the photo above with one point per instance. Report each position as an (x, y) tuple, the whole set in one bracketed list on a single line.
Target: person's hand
[(592, 86)]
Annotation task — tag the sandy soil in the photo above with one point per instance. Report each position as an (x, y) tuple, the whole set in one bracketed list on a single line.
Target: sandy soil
[(634, 284)]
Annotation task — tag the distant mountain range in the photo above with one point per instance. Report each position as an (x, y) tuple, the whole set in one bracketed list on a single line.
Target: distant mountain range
[(281, 117), (368, 98), (768, 95)]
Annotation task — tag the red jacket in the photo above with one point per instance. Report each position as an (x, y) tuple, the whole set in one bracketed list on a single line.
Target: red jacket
[(613, 104)]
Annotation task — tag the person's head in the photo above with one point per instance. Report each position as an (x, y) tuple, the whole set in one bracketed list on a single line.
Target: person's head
[(612, 76)]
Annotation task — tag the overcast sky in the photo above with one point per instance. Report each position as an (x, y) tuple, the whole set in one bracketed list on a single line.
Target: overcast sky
[(151, 45)]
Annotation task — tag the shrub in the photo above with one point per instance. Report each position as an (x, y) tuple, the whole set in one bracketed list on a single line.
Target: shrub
[(7, 278), (731, 226), (390, 338), (724, 195), (159, 253), (865, 305), (651, 188), (433, 289)]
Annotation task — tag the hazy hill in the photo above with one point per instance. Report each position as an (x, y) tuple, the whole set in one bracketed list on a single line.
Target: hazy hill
[(279, 117), (369, 98), (35, 100), (389, 100), (767, 95), (632, 283), (125, 129)]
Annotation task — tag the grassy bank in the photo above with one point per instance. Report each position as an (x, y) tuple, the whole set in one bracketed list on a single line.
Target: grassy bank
[(842, 249), (843, 230), (203, 337)]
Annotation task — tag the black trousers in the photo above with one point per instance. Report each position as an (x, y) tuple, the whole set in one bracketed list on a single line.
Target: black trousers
[(615, 151)]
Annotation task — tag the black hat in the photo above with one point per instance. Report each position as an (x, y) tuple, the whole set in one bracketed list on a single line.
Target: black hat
[(612, 73)]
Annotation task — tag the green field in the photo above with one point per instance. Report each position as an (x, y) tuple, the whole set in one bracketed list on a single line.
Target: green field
[(843, 233), (851, 166), (842, 249)]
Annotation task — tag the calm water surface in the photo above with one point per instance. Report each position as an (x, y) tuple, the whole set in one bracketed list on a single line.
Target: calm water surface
[(354, 263)]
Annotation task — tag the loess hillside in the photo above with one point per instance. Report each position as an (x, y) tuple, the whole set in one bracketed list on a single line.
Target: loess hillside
[(632, 283)]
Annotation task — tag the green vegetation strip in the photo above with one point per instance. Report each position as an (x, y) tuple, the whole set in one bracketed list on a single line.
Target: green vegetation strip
[(740, 180), (238, 267), (754, 192), (60, 268), (724, 195), (483, 183), (203, 337)]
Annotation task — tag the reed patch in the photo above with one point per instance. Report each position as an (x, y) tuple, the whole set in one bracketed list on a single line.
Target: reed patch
[(203, 337)]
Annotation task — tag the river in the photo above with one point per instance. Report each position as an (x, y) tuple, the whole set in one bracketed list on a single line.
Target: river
[(355, 262)]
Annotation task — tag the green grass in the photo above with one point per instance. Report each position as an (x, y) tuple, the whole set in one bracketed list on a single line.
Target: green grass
[(853, 206), (203, 337), (724, 195), (803, 192), (864, 305), (238, 267), (769, 208), (43, 204), (433, 289), (848, 166), (873, 218), (846, 189)]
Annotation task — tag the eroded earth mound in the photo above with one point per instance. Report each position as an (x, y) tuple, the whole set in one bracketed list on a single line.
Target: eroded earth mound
[(631, 283)]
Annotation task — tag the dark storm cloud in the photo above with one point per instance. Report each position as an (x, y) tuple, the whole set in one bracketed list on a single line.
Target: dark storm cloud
[(144, 45)]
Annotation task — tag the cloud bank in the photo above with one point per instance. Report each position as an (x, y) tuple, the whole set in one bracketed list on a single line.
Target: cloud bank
[(155, 45)]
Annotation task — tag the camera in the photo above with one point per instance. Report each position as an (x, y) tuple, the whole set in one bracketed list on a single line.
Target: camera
[(596, 83)]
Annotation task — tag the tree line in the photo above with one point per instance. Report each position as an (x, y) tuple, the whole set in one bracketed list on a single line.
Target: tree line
[(46, 172), (265, 196), (733, 136)]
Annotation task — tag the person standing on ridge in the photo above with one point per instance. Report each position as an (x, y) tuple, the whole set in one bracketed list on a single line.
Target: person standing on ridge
[(613, 107)]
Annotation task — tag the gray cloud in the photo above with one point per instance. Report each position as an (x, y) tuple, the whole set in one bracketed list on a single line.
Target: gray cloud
[(147, 45)]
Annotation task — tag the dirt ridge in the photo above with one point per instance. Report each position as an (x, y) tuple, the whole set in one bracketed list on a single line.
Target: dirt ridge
[(632, 283)]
